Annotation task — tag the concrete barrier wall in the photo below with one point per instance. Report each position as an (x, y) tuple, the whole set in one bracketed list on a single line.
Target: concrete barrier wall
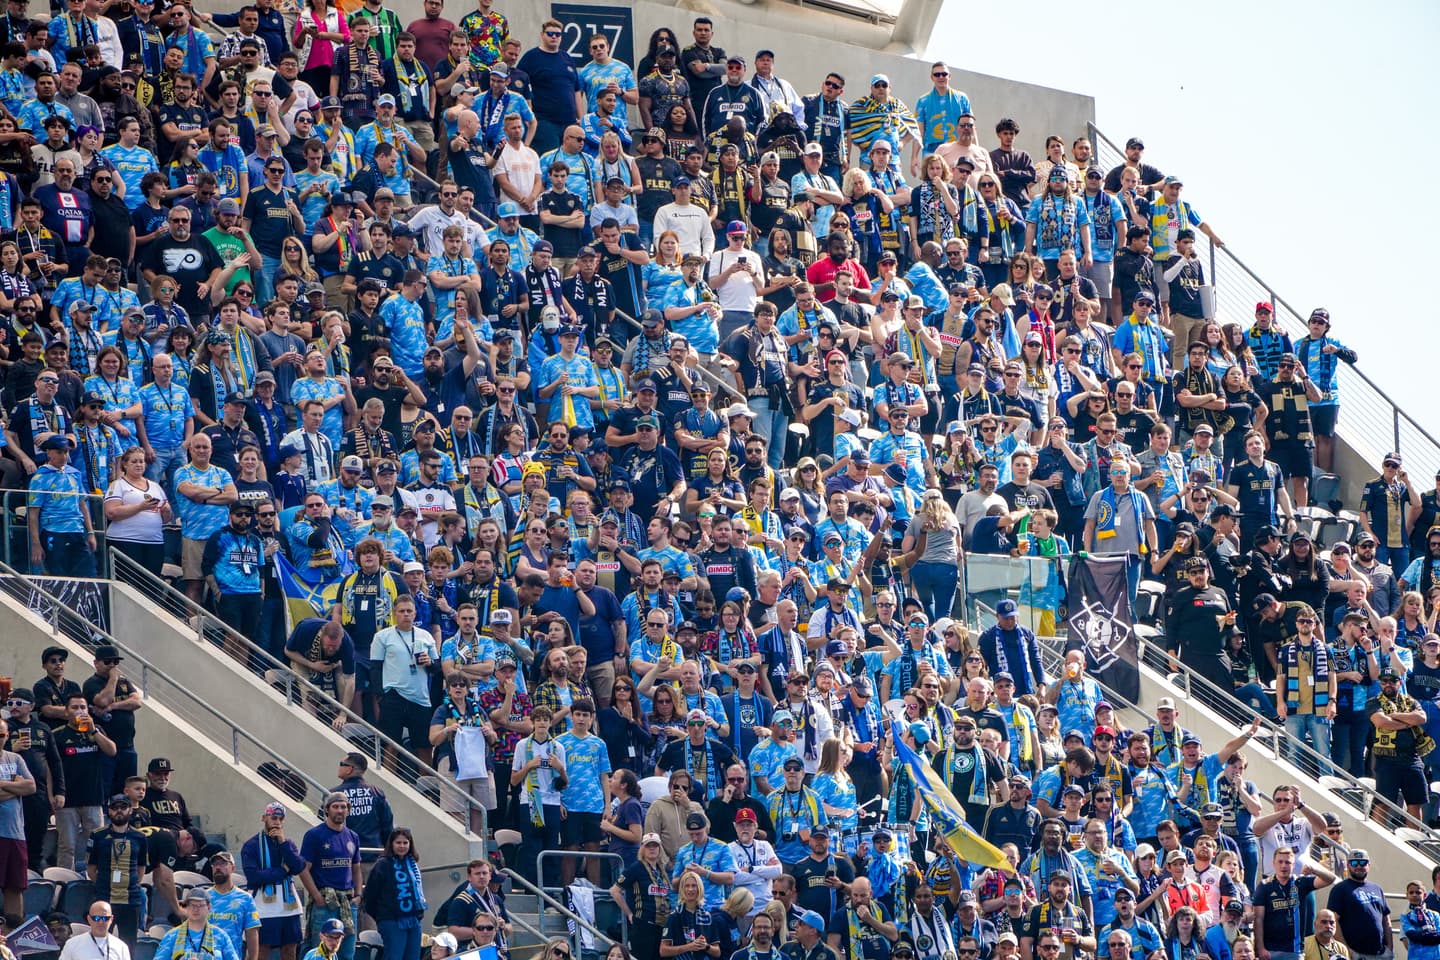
[(225, 797), (1392, 862), (809, 42), (311, 746)]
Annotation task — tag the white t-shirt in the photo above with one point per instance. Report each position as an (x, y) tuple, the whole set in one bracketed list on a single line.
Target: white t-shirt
[(522, 166), (1297, 835), (527, 749), (755, 867), (431, 223), (87, 947), (742, 290), (143, 527)]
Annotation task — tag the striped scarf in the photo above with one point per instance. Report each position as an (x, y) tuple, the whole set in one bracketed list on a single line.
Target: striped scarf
[(1319, 669), (979, 792)]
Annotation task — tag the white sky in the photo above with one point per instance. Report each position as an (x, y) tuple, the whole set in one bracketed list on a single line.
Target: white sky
[(1297, 128)]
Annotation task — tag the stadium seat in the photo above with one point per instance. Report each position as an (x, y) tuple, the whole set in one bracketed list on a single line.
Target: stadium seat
[(653, 788), (429, 788), (189, 878), (364, 951), (61, 875), (76, 899), (1425, 843), (362, 736), (1335, 530), (1325, 489), (1149, 602), (145, 949), (79, 929), (371, 938), (40, 897)]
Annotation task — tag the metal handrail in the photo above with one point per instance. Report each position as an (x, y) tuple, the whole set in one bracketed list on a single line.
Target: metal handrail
[(1051, 647), (600, 855), (1374, 423), (457, 872), (544, 898), (708, 375), (207, 625), (1191, 679), (93, 635)]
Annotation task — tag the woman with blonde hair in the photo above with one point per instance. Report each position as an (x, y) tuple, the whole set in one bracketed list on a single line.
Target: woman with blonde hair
[(689, 922), (727, 921), (614, 162), (294, 260), (935, 205), (932, 548)]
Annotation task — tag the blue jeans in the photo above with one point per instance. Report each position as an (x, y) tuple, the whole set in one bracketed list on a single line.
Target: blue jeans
[(1254, 695), (265, 279), (1350, 736), (1319, 729), (771, 425), (401, 938), (1249, 855), (1397, 557), (934, 585), (167, 462), (67, 555), (319, 913), (271, 635)]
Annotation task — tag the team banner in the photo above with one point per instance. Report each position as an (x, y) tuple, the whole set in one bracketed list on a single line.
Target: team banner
[(303, 599), (1102, 624), (946, 813), (32, 936)]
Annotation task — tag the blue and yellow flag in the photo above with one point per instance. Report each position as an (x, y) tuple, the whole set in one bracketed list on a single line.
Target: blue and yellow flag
[(303, 599), (947, 815)]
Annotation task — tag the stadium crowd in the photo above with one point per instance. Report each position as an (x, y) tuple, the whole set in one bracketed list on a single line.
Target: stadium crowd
[(612, 456)]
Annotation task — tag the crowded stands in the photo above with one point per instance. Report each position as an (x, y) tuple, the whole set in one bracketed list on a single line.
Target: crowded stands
[(640, 437)]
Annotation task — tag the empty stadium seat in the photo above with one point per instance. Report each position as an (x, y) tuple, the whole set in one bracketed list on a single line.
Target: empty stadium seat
[(371, 938), (61, 875), (75, 901), (40, 897), (145, 949)]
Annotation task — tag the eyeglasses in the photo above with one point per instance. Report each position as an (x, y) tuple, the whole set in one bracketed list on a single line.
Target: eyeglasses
[(449, 193), (941, 73)]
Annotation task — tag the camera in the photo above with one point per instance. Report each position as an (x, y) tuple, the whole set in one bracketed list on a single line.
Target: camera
[(789, 837)]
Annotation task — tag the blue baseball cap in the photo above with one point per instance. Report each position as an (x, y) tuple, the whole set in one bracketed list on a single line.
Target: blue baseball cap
[(508, 209), (812, 919)]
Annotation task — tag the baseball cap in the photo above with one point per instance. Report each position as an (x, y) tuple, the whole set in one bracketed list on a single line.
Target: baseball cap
[(333, 928), (736, 226), (352, 462), (1165, 703), (696, 821), (649, 838), (229, 205), (745, 815), (812, 919)]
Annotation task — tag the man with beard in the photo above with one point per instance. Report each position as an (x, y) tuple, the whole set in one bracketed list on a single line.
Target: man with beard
[(120, 855), (655, 473), (389, 383), (193, 263), (231, 909)]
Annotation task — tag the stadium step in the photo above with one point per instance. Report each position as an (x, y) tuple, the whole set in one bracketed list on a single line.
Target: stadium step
[(313, 747), (1394, 860), (220, 761)]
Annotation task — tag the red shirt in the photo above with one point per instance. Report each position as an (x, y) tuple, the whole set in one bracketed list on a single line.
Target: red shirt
[(824, 270)]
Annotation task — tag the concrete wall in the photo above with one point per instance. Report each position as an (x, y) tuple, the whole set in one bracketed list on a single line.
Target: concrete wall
[(810, 42), (307, 744), (226, 797), (1392, 863)]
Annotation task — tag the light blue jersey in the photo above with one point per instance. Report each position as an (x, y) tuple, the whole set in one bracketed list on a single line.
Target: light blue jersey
[(587, 763), (131, 163)]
